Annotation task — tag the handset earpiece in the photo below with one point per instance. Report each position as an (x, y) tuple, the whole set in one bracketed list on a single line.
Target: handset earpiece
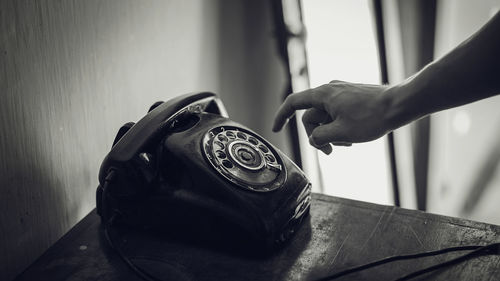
[(149, 130), (155, 105), (123, 129)]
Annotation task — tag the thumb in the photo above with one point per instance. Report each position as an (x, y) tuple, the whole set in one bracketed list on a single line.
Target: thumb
[(331, 132)]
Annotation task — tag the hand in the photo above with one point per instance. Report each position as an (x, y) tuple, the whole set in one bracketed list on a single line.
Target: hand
[(338, 113)]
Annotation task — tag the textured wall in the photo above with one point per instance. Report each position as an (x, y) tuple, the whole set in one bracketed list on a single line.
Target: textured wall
[(71, 72)]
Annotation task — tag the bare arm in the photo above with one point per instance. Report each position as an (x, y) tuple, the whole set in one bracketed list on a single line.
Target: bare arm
[(468, 73), (341, 113)]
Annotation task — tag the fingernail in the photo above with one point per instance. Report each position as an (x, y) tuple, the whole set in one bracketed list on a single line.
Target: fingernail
[(277, 127), (311, 141), (342, 143), (326, 150)]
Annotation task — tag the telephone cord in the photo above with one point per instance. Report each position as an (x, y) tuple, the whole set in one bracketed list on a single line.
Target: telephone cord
[(107, 225), (489, 249)]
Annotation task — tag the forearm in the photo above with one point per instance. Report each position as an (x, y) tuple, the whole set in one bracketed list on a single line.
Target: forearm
[(468, 73)]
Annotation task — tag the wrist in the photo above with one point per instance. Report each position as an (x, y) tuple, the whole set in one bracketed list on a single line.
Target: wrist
[(399, 109), (412, 99)]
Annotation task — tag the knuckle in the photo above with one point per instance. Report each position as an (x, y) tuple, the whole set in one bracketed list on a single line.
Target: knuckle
[(290, 99), (287, 104), (287, 99), (326, 92), (323, 90)]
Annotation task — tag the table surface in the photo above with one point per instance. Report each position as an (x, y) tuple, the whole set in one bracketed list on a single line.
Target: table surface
[(339, 234)]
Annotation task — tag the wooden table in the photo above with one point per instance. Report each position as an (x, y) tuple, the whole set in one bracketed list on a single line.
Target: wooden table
[(339, 234)]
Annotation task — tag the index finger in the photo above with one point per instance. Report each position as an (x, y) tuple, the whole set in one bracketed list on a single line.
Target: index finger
[(295, 101)]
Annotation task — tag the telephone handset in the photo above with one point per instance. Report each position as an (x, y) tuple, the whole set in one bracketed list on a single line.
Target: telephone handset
[(187, 167)]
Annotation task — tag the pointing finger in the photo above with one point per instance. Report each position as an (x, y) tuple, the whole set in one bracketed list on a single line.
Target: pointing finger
[(295, 101)]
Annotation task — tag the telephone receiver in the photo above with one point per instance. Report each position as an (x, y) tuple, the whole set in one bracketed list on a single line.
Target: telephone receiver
[(185, 167)]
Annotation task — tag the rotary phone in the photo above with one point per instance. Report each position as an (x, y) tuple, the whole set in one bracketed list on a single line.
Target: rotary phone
[(187, 168)]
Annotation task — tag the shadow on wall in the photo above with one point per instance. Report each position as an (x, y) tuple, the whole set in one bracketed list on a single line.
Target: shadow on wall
[(252, 78), (35, 201)]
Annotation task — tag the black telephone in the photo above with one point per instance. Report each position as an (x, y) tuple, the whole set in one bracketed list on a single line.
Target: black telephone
[(186, 166)]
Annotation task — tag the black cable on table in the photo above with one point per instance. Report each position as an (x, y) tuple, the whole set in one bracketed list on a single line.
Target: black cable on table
[(490, 249), (477, 250)]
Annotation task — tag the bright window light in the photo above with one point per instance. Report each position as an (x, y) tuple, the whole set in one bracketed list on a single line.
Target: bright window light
[(341, 45)]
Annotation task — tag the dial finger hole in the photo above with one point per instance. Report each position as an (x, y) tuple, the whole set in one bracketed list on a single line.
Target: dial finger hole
[(222, 138), (219, 144), (253, 140), (263, 148), (220, 154), (228, 164), (270, 158)]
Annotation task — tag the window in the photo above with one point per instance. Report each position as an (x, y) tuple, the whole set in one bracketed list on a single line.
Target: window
[(341, 45)]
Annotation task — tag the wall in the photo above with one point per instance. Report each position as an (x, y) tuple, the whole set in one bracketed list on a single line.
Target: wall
[(251, 76), (73, 71)]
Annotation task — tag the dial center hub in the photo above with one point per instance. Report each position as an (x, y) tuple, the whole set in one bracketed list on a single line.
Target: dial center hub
[(246, 155)]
